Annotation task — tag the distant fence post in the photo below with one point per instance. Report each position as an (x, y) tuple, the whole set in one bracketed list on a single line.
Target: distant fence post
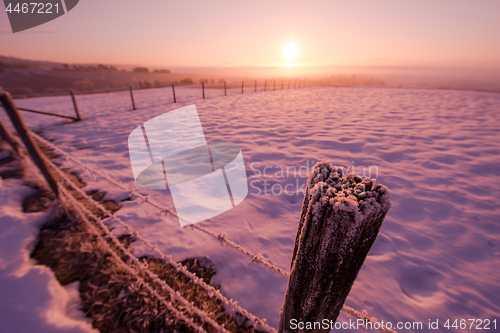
[(265, 85), (281, 85), (242, 86), (340, 219), (288, 84), (225, 91), (22, 130), (274, 85), (75, 105), (203, 89), (173, 93), (255, 86), (132, 97), (5, 135)]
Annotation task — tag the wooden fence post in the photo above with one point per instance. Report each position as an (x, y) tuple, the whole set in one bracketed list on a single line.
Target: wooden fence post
[(203, 89), (5, 135), (341, 217), (132, 97), (255, 86), (75, 105), (242, 87), (225, 92), (274, 88), (173, 93), (265, 85), (22, 130)]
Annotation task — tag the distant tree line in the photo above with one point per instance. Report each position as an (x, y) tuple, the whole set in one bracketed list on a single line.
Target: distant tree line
[(13, 65), (206, 81), (146, 70), (162, 71), (89, 68)]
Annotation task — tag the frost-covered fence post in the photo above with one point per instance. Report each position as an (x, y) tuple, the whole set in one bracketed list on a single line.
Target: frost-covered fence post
[(22, 130), (72, 93), (340, 219), (173, 93), (132, 97)]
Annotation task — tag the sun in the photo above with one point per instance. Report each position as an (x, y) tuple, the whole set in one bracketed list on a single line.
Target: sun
[(290, 51)]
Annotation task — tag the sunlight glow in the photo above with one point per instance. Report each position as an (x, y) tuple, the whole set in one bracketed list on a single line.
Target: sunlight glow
[(290, 51)]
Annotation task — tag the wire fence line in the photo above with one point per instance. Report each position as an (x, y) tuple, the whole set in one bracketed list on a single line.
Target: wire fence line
[(146, 199), (143, 267), (219, 236), (140, 281), (179, 267), (303, 83)]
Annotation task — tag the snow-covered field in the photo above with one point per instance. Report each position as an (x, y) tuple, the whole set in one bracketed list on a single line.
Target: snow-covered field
[(31, 298), (437, 256)]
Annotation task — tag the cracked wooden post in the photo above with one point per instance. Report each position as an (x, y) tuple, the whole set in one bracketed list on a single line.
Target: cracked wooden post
[(22, 130), (340, 219), (132, 97), (173, 92)]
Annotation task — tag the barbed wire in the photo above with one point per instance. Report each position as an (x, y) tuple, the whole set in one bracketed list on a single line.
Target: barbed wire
[(80, 211), (179, 267)]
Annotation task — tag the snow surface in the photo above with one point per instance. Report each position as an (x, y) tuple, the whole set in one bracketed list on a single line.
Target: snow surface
[(438, 253), (31, 298)]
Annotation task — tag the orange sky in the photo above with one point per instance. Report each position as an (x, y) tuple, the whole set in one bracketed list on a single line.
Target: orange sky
[(253, 33)]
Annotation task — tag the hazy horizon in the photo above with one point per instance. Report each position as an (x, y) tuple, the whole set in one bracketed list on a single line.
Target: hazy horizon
[(448, 77)]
